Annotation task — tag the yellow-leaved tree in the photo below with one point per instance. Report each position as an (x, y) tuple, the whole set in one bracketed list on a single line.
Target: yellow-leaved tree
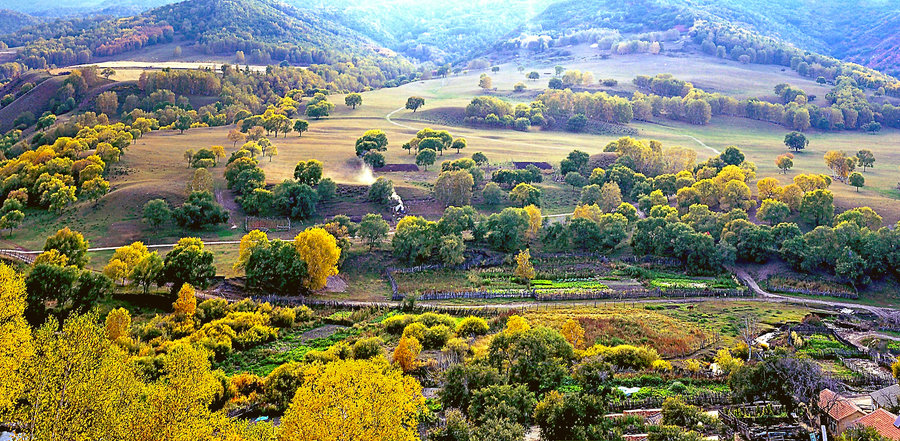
[(574, 333), (186, 303), (321, 253), (51, 257), (77, 386), (118, 324), (406, 352), (534, 221), (177, 406), (124, 260), (358, 400), (15, 335), (516, 324), (524, 268), (250, 242)]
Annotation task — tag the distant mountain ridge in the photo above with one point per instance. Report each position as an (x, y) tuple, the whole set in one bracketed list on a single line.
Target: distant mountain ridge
[(866, 32), (267, 31)]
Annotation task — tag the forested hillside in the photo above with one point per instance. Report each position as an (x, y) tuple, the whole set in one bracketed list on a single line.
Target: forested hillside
[(859, 31), (263, 31), (11, 21)]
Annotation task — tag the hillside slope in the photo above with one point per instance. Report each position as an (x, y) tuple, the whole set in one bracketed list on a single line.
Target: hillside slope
[(859, 31), (11, 21), (265, 30)]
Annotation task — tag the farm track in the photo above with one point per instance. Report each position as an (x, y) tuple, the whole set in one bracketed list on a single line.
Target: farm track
[(883, 313)]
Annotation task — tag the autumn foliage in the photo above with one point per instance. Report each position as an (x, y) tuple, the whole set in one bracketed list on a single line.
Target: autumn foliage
[(357, 400)]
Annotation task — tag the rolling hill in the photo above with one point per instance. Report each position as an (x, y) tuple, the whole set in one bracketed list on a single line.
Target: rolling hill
[(11, 21), (266, 31), (858, 31)]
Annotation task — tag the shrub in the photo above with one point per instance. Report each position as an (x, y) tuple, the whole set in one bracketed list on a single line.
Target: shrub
[(212, 309), (282, 317), (626, 356), (472, 326), (303, 314), (281, 384), (431, 319), (367, 348), (242, 321), (245, 305), (245, 384), (436, 336), (415, 330), (255, 335), (513, 402), (396, 324)]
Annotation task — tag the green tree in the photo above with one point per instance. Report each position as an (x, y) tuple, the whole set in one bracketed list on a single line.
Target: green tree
[(865, 159), (373, 229), (857, 180), (415, 239), (796, 141), (199, 210), (301, 126), (576, 161), (381, 190), (276, 268), (414, 103), (157, 213), (71, 244), (454, 188), (452, 250), (536, 358), (817, 207), (371, 140), (309, 172), (479, 158), (48, 283), (525, 194), (772, 211), (188, 262), (352, 100), (506, 231), (492, 193), (426, 157), (319, 110), (458, 144), (326, 189), (182, 123), (374, 159), (146, 271), (295, 199), (575, 179), (576, 123)]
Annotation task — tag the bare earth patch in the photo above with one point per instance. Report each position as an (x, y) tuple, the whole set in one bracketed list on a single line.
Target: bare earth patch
[(321, 332), (336, 284)]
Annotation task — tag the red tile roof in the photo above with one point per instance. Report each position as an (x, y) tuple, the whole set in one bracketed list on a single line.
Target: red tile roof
[(837, 406), (882, 421)]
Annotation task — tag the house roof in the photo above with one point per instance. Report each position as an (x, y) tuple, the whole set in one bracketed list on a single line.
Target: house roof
[(883, 422), (837, 406), (887, 397)]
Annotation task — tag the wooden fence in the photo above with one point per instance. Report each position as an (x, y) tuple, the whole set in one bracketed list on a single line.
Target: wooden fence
[(812, 292), (704, 399), (19, 256), (760, 424)]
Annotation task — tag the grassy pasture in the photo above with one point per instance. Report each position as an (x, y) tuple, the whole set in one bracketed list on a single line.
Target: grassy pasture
[(154, 166)]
